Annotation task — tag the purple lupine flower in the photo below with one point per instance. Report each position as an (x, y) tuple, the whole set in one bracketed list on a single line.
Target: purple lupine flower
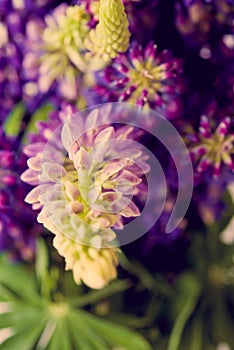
[(14, 87), (224, 92), (212, 147), (199, 21), (144, 77), (18, 230), (10, 80), (208, 198)]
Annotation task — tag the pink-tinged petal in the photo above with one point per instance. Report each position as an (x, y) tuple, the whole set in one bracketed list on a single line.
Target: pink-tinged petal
[(111, 169), (125, 187), (130, 211), (130, 177), (124, 132), (53, 172), (92, 119), (81, 157), (118, 223), (203, 165), (227, 159), (34, 149), (199, 150), (52, 192), (94, 193), (111, 197), (223, 127), (34, 163), (36, 193), (69, 135), (36, 206), (30, 176), (216, 170), (205, 128), (104, 136), (99, 153)]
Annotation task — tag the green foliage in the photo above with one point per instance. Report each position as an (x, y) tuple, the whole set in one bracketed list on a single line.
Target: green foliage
[(188, 293), (12, 126), (38, 323)]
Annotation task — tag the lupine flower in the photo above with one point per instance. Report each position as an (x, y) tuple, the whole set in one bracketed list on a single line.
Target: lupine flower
[(14, 87), (208, 198), (213, 148), (224, 84), (10, 79), (54, 49), (199, 20), (18, 231), (144, 77), (10, 61), (95, 267), (142, 16), (111, 35), (82, 199)]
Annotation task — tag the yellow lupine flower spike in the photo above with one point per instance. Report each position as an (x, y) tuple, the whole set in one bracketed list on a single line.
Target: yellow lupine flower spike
[(111, 35)]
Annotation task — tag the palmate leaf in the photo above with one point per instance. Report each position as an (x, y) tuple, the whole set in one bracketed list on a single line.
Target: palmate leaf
[(40, 324), (25, 339), (113, 334)]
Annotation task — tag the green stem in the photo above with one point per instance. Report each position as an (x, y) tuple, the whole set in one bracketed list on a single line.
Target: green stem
[(95, 296), (145, 277)]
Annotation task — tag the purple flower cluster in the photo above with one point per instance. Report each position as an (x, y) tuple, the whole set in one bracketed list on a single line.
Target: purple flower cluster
[(18, 227), (14, 84), (144, 77)]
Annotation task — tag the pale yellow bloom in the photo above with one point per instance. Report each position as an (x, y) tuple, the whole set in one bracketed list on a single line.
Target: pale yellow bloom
[(95, 267)]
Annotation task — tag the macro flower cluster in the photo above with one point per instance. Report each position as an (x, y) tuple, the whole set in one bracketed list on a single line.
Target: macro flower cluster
[(74, 172)]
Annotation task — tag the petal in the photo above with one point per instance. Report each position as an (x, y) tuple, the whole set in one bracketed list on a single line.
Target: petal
[(30, 176)]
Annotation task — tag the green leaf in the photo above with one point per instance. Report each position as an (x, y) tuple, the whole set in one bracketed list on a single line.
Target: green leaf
[(12, 126), (83, 335), (61, 338), (26, 339), (115, 334), (13, 277)]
